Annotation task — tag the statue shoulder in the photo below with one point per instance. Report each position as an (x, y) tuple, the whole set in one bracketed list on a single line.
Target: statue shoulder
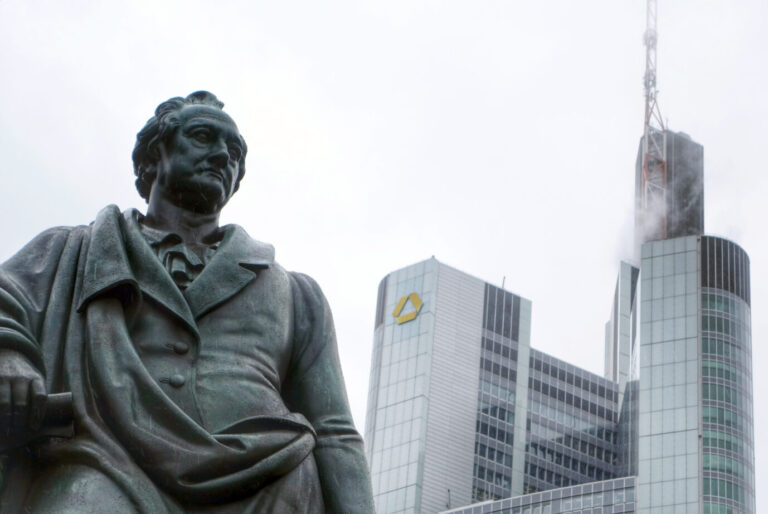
[(48, 245), (306, 288)]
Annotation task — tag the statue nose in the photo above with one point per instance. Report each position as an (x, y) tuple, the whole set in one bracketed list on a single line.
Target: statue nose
[(219, 157)]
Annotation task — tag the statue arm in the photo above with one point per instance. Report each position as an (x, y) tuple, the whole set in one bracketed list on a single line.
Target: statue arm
[(316, 389), (26, 283)]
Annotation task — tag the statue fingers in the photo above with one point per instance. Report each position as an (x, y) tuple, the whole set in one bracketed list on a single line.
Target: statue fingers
[(19, 397), (6, 406), (37, 402)]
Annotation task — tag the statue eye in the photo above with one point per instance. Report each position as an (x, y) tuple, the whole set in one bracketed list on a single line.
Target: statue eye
[(202, 135), (235, 153)]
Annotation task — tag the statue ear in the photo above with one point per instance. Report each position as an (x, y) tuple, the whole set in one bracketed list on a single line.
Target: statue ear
[(147, 176)]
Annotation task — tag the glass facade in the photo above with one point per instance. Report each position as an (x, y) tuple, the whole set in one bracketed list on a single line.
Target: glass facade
[(669, 467), (696, 449), (572, 416), (606, 497), (397, 400), (462, 409), (728, 482), (494, 438)]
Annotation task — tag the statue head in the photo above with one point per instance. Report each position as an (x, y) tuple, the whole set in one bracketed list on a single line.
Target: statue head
[(154, 140)]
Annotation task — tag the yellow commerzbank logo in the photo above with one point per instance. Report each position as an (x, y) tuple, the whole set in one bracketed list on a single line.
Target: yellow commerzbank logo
[(415, 301)]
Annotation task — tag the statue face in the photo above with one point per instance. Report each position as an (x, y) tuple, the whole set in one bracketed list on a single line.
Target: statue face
[(200, 164)]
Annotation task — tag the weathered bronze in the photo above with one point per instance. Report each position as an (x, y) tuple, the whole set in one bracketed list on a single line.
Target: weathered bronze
[(183, 369)]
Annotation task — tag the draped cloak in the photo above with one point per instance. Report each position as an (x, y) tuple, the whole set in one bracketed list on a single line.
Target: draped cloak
[(228, 393)]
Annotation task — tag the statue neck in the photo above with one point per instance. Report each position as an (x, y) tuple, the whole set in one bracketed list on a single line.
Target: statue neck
[(192, 227)]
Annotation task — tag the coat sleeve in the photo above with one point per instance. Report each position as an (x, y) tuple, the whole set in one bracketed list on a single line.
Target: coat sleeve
[(315, 387), (26, 285)]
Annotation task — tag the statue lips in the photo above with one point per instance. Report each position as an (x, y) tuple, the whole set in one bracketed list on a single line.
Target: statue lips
[(218, 173)]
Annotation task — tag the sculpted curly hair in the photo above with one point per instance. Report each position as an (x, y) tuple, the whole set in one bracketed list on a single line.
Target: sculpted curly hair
[(159, 130)]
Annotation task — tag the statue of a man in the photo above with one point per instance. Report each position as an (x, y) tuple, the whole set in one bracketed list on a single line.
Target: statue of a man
[(204, 377)]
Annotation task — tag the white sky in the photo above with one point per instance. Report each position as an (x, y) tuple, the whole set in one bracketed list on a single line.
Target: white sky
[(498, 136)]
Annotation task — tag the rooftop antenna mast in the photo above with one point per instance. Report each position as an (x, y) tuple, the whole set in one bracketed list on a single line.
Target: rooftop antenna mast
[(654, 177)]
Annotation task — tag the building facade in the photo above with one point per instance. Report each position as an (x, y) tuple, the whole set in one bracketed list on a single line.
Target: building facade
[(462, 411), (696, 449), (617, 496)]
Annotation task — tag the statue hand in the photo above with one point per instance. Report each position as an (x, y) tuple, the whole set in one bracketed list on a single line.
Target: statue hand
[(22, 394)]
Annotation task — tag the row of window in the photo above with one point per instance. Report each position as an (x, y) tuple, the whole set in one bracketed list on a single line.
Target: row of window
[(494, 477), (712, 346), (724, 265), (723, 464), (500, 349), (723, 441), (544, 432), (493, 454), (721, 416), (480, 494), (498, 391), (719, 508), (717, 369), (556, 479), (723, 489), (573, 380), (721, 325), (598, 499), (566, 419), (716, 302), (561, 459), (501, 312), (497, 412), (499, 434), (498, 369), (571, 399), (721, 393)]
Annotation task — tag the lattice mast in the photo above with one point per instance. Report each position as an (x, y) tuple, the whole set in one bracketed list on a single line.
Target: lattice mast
[(654, 175)]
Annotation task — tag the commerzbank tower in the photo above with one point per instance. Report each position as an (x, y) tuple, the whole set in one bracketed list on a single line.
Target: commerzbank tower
[(464, 416)]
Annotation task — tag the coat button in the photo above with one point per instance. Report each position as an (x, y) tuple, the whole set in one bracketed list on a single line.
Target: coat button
[(180, 347), (177, 380)]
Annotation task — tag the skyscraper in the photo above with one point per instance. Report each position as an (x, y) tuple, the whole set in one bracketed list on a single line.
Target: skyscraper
[(695, 438), (462, 410), (422, 413)]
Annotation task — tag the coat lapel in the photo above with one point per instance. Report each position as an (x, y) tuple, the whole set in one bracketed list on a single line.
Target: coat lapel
[(153, 278), (119, 255), (235, 264)]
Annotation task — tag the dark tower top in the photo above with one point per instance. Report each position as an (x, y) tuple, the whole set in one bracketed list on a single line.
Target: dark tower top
[(684, 205)]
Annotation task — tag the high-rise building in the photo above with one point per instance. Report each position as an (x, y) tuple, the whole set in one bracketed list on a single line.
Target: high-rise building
[(694, 409), (423, 413), (462, 410)]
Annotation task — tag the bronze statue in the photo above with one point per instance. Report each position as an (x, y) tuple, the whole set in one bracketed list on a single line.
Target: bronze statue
[(184, 369)]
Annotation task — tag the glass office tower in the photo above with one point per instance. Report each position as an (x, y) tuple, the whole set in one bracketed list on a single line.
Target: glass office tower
[(462, 410), (423, 411), (696, 450)]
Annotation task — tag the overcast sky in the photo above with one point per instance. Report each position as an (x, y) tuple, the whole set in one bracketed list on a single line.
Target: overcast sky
[(498, 136)]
